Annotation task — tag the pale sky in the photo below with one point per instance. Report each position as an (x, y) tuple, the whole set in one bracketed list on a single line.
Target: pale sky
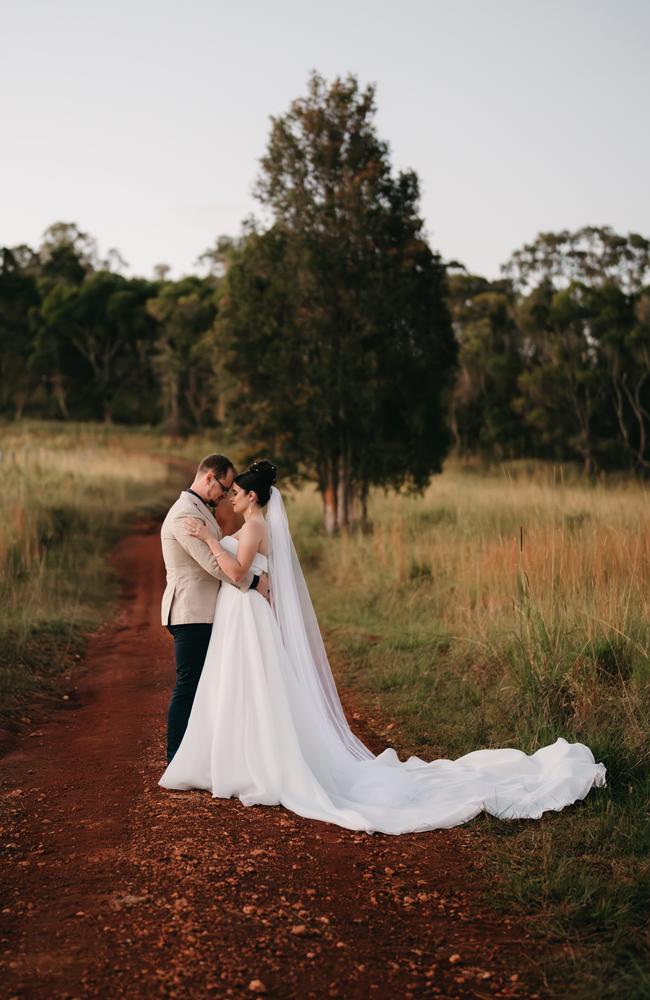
[(143, 121)]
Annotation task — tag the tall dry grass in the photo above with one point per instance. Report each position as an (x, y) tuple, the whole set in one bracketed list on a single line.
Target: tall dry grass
[(507, 607), (470, 542), (65, 493)]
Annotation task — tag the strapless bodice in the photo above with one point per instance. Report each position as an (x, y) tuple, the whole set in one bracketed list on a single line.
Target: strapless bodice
[(260, 563)]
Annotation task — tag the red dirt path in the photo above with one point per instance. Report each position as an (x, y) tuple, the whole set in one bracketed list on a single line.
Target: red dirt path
[(115, 887)]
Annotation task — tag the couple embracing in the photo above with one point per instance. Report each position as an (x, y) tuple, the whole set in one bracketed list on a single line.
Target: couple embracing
[(255, 712)]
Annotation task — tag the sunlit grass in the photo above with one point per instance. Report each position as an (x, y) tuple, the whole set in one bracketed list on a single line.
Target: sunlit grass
[(507, 607)]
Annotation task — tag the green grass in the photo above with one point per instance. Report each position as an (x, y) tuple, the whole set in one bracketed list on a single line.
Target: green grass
[(467, 639)]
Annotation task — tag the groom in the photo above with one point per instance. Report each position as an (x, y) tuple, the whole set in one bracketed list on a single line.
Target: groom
[(193, 581)]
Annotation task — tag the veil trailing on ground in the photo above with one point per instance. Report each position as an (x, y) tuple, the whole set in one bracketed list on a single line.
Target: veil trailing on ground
[(301, 636)]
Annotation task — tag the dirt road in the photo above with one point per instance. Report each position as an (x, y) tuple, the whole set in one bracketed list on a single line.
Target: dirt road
[(115, 887)]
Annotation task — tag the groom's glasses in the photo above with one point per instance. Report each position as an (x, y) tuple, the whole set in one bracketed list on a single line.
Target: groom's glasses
[(227, 490)]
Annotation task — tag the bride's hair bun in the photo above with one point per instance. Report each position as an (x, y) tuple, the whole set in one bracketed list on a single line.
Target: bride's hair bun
[(259, 477), (264, 468)]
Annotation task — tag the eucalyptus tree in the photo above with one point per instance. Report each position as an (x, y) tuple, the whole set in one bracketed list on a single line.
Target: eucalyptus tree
[(19, 303), (336, 316), (183, 353), (586, 384), (490, 361)]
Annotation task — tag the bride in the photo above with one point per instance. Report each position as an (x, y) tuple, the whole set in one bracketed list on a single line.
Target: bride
[(267, 724)]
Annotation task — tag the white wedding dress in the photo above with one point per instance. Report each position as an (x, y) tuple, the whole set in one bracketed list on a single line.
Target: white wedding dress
[(267, 726)]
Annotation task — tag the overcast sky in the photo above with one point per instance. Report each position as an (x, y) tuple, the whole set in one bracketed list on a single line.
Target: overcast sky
[(143, 121)]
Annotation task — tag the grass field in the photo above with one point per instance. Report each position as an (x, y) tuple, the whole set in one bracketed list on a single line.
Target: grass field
[(507, 608), (66, 493)]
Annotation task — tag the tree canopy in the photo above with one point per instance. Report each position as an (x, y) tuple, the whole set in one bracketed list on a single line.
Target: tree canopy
[(336, 318)]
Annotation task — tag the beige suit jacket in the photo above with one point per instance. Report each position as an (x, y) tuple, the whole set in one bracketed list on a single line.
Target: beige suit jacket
[(193, 574)]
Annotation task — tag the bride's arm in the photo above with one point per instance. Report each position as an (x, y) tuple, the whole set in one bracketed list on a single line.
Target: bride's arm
[(201, 553), (235, 567)]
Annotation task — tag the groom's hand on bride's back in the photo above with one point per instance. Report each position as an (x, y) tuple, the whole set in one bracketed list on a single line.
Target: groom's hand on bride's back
[(263, 587)]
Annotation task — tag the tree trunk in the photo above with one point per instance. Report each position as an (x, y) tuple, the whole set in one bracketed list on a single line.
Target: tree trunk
[(59, 395), (353, 506), (196, 401), (363, 497), (583, 410), (454, 429), (173, 418), (19, 405), (634, 399), (329, 494), (343, 494), (620, 410)]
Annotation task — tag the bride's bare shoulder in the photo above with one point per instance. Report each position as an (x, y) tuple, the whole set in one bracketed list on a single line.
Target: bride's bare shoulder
[(259, 533), (253, 529)]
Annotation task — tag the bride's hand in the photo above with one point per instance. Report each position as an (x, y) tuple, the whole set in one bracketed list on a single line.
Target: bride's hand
[(194, 526), (263, 587)]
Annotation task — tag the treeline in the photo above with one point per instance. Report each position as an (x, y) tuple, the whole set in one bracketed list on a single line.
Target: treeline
[(79, 340), (336, 339), (555, 357)]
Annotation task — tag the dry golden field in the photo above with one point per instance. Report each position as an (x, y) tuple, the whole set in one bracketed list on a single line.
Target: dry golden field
[(506, 606), (66, 492)]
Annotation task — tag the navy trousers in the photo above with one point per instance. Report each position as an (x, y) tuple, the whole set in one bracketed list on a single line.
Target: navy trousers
[(190, 646)]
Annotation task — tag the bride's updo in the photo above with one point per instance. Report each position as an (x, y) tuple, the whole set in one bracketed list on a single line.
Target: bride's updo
[(259, 477)]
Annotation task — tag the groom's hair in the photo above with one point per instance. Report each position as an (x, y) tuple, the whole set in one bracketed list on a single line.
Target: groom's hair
[(218, 464)]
